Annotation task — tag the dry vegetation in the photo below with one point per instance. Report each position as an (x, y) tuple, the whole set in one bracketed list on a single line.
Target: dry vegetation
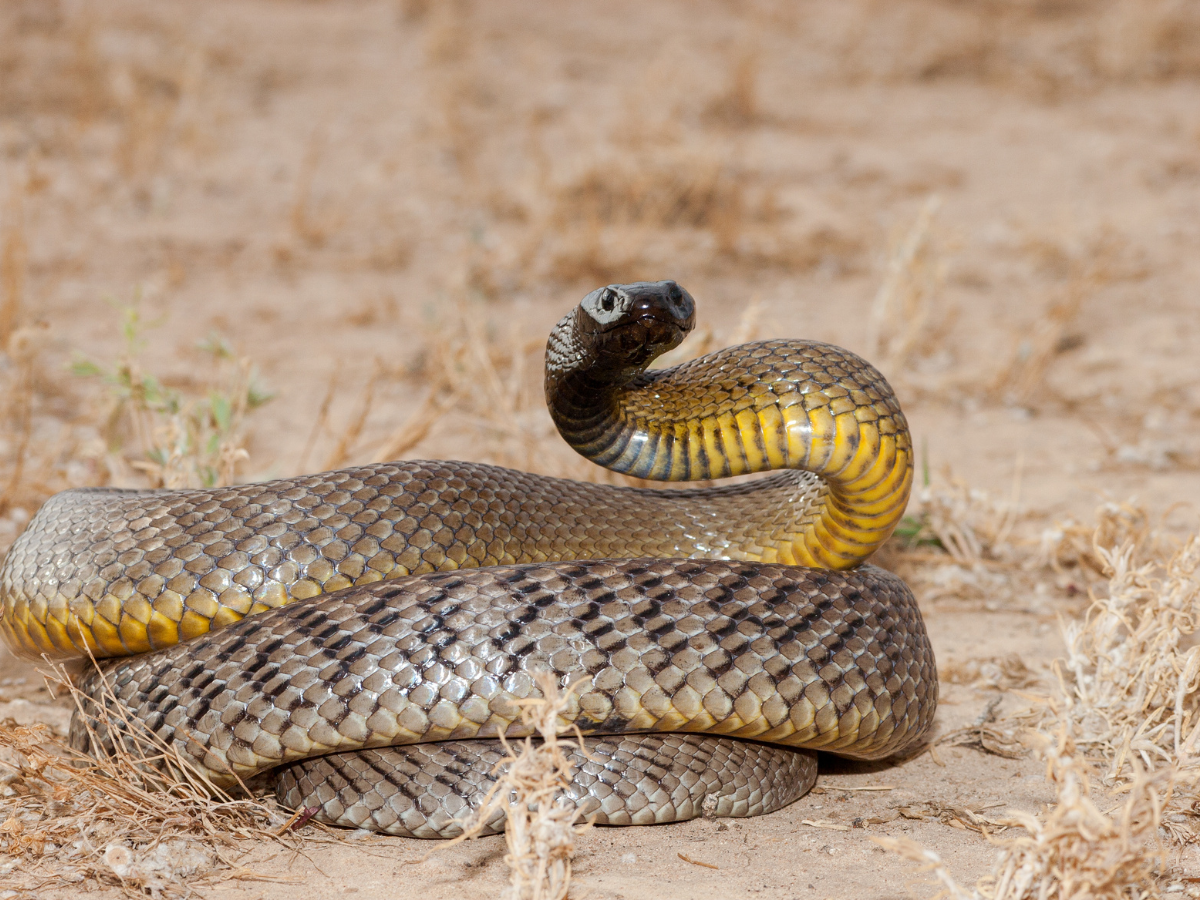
[(1125, 705), (539, 831), (392, 263), (118, 821), (1075, 849)]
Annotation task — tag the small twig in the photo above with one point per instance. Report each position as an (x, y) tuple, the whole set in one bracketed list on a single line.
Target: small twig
[(298, 820), (822, 823), (696, 862), (322, 417)]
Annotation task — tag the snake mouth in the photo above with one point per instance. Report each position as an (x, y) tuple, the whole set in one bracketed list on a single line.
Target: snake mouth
[(644, 337), (662, 316), (650, 328), (666, 305), (652, 314)]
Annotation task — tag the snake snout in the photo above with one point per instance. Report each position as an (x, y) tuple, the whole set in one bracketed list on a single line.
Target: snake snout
[(660, 315), (662, 302)]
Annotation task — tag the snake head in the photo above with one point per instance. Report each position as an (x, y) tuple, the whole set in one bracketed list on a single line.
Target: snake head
[(631, 324)]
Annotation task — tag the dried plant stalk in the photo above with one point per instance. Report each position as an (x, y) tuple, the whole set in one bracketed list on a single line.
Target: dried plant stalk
[(540, 829), (902, 313), (142, 819), (14, 253), (1129, 697), (1075, 850), (1131, 680), (1023, 380)]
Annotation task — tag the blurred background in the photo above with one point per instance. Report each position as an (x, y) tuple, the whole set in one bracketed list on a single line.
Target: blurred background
[(250, 239)]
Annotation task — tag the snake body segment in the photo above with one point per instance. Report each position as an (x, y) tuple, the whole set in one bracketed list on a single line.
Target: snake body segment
[(428, 790), (447, 583)]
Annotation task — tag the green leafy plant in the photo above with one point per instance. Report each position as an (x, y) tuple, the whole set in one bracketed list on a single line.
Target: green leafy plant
[(176, 437)]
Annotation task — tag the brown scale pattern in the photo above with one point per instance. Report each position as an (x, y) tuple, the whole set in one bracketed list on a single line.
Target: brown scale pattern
[(141, 570), (429, 790), (799, 657)]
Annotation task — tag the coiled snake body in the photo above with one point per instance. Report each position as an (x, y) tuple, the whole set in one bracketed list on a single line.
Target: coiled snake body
[(724, 633)]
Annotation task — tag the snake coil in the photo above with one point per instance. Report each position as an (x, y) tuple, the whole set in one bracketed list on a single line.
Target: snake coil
[(726, 633)]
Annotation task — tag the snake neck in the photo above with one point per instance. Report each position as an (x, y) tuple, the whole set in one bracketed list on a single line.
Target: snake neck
[(760, 407)]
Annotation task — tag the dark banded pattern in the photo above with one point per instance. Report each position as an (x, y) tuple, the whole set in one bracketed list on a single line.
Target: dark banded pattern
[(428, 790), (799, 657)]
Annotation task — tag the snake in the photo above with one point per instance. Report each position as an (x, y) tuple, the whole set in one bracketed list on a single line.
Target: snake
[(366, 637)]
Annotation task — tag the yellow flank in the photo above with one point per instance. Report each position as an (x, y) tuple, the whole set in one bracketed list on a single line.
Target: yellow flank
[(861, 458), (751, 437), (106, 637), (336, 582), (891, 490), (865, 451), (821, 435), (658, 446), (162, 631), (843, 446), (731, 445), (716, 466), (192, 625), (225, 616), (42, 634), (133, 635), (772, 425), (679, 452), (886, 470)]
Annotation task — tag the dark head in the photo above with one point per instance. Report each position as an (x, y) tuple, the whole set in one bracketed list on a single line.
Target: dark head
[(631, 324)]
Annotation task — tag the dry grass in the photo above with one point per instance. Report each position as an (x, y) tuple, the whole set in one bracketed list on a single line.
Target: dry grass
[(739, 105), (116, 423), (1127, 702), (1075, 850), (540, 830), (674, 209), (968, 524), (1071, 546), (118, 821), (136, 109), (59, 69), (14, 253), (634, 213), (40, 455), (1043, 48), (1130, 683), (482, 384), (1079, 272), (908, 317), (1023, 381), (961, 544)]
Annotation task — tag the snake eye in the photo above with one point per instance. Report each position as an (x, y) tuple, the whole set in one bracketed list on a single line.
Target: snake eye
[(607, 301)]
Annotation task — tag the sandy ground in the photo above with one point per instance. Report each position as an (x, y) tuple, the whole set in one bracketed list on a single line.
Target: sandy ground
[(334, 185)]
